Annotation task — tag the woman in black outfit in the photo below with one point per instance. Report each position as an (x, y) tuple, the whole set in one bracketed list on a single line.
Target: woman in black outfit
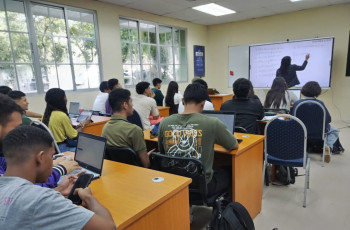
[(288, 71), (172, 98)]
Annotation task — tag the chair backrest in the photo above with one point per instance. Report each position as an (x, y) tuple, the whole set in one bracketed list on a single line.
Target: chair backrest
[(247, 121), (42, 126), (313, 115), (135, 119), (123, 154), (240, 129), (285, 138), (187, 167)]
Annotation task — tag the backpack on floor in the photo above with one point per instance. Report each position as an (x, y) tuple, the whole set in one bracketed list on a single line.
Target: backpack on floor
[(230, 216), (285, 175)]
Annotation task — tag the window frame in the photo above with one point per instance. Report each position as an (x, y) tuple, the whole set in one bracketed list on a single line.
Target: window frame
[(34, 49), (158, 45)]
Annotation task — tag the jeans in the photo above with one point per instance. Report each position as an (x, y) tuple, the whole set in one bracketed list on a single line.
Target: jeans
[(64, 147), (332, 136)]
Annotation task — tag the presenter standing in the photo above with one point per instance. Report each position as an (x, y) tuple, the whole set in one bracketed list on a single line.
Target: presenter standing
[(288, 71)]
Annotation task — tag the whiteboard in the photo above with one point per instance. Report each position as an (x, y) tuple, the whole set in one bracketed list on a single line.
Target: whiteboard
[(238, 63)]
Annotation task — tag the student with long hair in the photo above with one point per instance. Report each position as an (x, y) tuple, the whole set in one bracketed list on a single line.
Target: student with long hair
[(278, 96), (57, 119), (288, 71), (173, 98)]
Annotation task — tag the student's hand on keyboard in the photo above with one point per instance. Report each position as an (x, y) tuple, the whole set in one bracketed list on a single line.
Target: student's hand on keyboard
[(70, 165)]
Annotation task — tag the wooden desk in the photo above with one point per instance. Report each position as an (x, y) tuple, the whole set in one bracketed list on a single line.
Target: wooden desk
[(163, 111), (97, 125), (136, 202), (247, 167), (218, 99)]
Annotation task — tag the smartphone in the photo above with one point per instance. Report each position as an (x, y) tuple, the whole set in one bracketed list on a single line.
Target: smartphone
[(82, 182)]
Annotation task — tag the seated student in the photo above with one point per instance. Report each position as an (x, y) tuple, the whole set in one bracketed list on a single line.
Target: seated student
[(144, 104), (57, 119), (278, 96), (248, 110), (158, 95), (208, 104), (6, 90), (112, 83), (10, 118), (101, 98), (20, 98), (28, 152), (193, 134), (173, 98), (311, 90), (121, 133)]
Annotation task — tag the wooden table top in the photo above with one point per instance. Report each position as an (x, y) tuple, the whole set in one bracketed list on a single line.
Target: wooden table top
[(221, 95), (129, 192), (249, 140)]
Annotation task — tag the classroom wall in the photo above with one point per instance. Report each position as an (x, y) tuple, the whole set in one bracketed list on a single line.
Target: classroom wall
[(108, 16), (331, 21), (321, 22)]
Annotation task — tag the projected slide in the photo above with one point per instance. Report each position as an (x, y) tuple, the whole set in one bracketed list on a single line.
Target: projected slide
[(264, 60)]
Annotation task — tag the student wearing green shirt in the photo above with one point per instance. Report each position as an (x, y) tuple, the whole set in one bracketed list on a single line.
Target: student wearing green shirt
[(193, 134), (157, 83), (20, 98), (121, 133)]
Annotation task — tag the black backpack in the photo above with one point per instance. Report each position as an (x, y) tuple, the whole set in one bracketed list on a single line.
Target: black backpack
[(285, 175), (230, 216)]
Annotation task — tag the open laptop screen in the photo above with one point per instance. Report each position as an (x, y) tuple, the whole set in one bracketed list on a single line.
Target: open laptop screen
[(90, 152), (228, 118), (296, 92), (74, 108)]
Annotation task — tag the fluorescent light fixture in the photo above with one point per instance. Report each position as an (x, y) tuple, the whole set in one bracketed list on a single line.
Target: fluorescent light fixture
[(295, 0), (214, 9)]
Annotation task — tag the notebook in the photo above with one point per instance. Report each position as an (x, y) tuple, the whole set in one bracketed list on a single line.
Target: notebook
[(74, 109), (90, 153)]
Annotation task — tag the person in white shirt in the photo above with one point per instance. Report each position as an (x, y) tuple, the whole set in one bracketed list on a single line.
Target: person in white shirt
[(278, 96), (101, 98), (144, 104), (208, 105)]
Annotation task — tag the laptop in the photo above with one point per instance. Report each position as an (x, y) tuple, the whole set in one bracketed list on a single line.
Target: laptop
[(296, 92), (226, 117), (90, 153), (74, 109)]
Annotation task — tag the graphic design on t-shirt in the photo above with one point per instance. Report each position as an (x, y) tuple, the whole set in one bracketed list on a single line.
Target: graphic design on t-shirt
[(184, 141)]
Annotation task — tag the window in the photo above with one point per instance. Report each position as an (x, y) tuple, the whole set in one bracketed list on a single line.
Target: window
[(150, 50), (43, 46)]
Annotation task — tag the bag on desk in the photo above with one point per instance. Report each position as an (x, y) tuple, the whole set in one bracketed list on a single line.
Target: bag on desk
[(230, 215)]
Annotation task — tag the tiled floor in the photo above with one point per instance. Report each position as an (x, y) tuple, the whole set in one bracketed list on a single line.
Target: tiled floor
[(328, 199)]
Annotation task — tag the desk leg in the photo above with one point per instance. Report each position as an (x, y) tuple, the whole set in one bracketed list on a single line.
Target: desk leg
[(247, 179)]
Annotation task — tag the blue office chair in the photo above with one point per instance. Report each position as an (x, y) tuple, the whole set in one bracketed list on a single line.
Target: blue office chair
[(313, 115), (135, 119), (285, 144)]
